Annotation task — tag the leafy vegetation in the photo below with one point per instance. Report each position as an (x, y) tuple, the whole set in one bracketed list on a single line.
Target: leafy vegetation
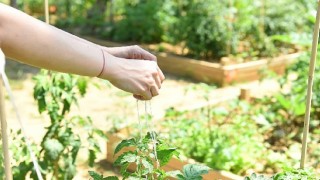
[(141, 22), (214, 29), (148, 161), (268, 130), (59, 148), (225, 141), (288, 174), (207, 29)]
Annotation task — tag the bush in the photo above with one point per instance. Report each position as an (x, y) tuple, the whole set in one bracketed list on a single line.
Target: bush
[(213, 29), (140, 22), (224, 141)]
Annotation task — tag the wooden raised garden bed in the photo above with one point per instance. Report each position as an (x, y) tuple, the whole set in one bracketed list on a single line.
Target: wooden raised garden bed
[(223, 75), (209, 72), (174, 164)]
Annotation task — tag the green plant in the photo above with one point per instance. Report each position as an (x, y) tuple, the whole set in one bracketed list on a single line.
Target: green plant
[(284, 111), (148, 161), (229, 140), (140, 22), (55, 94), (58, 151), (244, 28), (288, 174)]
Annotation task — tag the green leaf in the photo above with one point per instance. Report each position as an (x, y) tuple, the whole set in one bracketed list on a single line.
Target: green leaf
[(100, 133), (134, 178), (174, 173), (255, 176), (82, 85), (194, 171), (164, 155), (53, 148), (283, 101), (123, 170), (125, 143), (95, 175), (111, 178), (127, 157), (92, 157), (148, 165)]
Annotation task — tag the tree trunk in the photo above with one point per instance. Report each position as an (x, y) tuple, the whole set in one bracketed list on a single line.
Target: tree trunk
[(68, 8), (13, 3)]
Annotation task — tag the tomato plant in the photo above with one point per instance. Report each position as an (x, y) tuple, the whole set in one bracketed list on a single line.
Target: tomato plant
[(148, 161), (56, 93), (288, 174)]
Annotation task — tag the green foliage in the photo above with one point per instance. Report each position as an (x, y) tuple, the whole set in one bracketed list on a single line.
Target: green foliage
[(55, 94), (208, 29), (212, 29), (149, 160), (53, 149), (221, 140), (97, 176), (143, 156), (193, 171), (140, 22), (288, 174)]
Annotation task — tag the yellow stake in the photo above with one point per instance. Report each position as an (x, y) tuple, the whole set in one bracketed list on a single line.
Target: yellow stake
[(309, 93)]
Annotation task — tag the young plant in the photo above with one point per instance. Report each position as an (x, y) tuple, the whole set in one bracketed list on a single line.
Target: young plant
[(230, 141), (288, 174), (148, 161), (55, 94)]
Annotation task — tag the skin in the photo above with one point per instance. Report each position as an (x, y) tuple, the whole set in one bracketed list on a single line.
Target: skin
[(33, 42)]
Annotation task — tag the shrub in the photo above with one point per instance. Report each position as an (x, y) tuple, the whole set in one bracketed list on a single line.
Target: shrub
[(140, 22)]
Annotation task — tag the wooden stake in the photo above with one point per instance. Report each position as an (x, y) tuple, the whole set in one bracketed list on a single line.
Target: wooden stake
[(309, 92), (5, 146), (46, 10)]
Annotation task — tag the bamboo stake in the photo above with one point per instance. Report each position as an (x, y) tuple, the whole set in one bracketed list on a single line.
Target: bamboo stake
[(309, 92), (5, 146), (46, 9)]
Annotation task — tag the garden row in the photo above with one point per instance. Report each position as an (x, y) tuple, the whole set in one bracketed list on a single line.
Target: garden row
[(213, 29), (212, 72), (263, 135), (203, 29)]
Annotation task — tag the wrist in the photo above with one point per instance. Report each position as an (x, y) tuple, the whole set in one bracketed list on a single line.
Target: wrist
[(106, 69), (103, 63)]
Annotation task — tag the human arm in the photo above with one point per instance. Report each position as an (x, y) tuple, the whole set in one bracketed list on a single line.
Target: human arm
[(33, 42)]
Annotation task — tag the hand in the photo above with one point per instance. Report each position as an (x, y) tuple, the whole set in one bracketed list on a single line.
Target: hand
[(139, 77), (130, 52), (134, 52)]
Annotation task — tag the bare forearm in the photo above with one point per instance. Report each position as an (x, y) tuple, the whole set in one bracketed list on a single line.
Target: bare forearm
[(33, 42)]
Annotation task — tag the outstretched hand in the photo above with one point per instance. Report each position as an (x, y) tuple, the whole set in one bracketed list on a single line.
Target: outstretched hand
[(143, 78), (130, 52)]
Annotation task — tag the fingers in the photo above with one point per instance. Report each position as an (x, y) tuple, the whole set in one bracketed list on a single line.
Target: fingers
[(145, 95), (139, 97), (154, 91), (161, 75), (157, 80), (147, 55), (138, 53)]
